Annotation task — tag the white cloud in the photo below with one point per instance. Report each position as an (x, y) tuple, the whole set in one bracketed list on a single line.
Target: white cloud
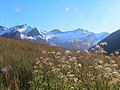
[(17, 10), (71, 9), (67, 9)]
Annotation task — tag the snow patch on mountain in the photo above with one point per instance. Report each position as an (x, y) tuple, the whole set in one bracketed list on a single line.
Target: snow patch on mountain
[(49, 37), (4, 31), (23, 28), (69, 35), (23, 36)]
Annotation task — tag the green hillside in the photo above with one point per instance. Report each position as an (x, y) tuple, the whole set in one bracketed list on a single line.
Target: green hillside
[(32, 66)]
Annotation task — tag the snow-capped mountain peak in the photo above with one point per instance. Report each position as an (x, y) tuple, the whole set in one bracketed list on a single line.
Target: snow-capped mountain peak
[(79, 30), (22, 28), (3, 30), (53, 32), (68, 35), (56, 31), (22, 31), (75, 39)]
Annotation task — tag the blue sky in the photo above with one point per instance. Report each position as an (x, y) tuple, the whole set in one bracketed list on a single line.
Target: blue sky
[(92, 15)]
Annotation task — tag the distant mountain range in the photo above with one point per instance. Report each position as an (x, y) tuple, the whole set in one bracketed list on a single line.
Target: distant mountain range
[(78, 39), (24, 32)]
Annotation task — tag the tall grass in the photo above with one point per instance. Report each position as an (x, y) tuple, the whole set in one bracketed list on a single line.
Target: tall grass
[(31, 66)]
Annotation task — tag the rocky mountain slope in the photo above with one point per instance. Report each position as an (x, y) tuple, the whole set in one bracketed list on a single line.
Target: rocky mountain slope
[(113, 42), (78, 39)]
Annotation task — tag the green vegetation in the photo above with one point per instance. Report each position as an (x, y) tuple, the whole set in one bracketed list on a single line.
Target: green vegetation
[(31, 66)]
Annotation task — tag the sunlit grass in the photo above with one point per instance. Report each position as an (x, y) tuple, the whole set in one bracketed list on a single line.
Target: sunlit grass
[(31, 66)]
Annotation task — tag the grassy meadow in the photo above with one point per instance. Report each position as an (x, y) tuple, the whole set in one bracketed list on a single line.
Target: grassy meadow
[(32, 66)]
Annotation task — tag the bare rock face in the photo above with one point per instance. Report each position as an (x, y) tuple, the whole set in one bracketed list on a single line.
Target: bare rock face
[(34, 32)]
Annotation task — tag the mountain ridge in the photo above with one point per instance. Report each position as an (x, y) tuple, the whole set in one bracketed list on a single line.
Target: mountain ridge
[(112, 42), (74, 39), (68, 39)]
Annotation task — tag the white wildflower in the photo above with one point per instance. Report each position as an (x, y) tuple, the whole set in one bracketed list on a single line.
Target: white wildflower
[(57, 57), (98, 67), (71, 60), (67, 52), (107, 75), (86, 51), (50, 64), (107, 69), (93, 49), (103, 43), (107, 57), (97, 47), (116, 74), (58, 53), (52, 52), (35, 67), (102, 51), (74, 58), (112, 62), (72, 88), (37, 62), (107, 65), (79, 65), (100, 62), (75, 80), (116, 53), (44, 52), (114, 65), (77, 52), (35, 71)]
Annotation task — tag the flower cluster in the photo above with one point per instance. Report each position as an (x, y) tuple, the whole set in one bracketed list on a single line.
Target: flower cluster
[(74, 72)]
